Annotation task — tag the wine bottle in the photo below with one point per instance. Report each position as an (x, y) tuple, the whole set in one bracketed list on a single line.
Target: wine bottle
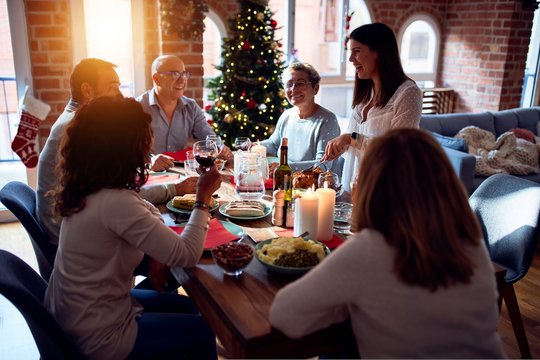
[(283, 173)]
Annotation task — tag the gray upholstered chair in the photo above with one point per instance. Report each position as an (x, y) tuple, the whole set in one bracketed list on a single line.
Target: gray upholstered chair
[(508, 209)]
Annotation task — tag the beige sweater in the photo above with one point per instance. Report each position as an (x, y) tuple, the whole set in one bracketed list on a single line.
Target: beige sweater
[(99, 247), (389, 318)]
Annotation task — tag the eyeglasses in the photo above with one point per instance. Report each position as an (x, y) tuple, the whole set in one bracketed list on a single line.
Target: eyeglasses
[(300, 84), (175, 75)]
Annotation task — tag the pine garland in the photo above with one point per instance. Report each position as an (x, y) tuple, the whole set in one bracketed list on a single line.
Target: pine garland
[(184, 17)]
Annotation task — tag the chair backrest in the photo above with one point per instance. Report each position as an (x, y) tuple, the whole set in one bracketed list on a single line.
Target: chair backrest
[(25, 289), (20, 199), (508, 209)]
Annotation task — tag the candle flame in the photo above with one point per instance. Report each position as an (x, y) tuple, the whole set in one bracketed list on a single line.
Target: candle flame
[(311, 189)]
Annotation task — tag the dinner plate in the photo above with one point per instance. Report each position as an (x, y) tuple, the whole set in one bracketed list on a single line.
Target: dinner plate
[(267, 211), (285, 270), (186, 211)]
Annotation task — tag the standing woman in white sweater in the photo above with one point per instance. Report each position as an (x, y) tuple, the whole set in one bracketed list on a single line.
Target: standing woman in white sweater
[(106, 230), (415, 280), (384, 97)]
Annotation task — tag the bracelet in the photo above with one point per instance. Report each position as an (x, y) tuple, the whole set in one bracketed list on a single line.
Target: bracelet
[(354, 136), (201, 204)]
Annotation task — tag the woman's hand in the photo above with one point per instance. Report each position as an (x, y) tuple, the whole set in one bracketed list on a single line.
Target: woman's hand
[(208, 183), (162, 162), (186, 186), (336, 147)]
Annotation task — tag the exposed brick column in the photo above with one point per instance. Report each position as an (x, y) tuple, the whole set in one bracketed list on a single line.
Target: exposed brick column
[(49, 34)]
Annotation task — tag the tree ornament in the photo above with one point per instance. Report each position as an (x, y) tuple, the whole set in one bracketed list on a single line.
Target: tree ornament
[(347, 27), (228, 119), (273, 23), (251, 104), (260, 16), (246, 45), (273, 45), (281, 93), (185, 17)]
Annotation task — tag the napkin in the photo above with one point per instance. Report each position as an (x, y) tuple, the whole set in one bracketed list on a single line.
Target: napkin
[(179, 155), (268, 183), (161, 178), (331, 244), (217, 234)]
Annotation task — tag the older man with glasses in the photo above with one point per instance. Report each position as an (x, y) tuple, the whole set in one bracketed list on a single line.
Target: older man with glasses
[(176, 119)]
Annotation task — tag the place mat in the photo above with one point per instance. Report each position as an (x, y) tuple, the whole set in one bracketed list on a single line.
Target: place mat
[(217, 234), (179, 155), (161, 178), (332, 244), (268, 183)]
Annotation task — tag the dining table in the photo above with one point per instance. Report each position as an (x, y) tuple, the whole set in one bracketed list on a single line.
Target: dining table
[(237, 307)]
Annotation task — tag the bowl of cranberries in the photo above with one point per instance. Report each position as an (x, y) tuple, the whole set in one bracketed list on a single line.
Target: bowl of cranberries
[(233, 257)]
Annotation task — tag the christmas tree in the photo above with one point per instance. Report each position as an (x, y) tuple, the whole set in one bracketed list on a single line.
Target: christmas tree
[(248, 95)]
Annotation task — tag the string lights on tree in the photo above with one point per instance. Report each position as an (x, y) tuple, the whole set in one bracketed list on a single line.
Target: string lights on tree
[(248, 95)]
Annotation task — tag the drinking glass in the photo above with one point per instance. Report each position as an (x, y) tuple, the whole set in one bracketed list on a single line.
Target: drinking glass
[(342, 217), (217, 140), (250, 183), (332, 181), (242, 143), (205, 152)]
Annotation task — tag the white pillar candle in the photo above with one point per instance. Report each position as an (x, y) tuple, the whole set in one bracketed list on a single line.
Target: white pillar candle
[(259, 149), (306, 215), (327, 201)]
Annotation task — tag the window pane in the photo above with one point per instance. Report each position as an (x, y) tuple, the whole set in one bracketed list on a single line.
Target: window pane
[(109, 37), (418, 48), (212, 48), (360, 17)]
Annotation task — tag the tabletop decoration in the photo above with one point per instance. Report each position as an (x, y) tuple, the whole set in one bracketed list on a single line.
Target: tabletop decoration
[(306, 214), (327, 200)]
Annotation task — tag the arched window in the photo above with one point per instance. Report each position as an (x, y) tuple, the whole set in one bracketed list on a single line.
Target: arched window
[(419, 49), (213, 34)]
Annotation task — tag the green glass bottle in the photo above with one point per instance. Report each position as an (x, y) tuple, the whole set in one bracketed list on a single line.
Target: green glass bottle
[(283, 174)]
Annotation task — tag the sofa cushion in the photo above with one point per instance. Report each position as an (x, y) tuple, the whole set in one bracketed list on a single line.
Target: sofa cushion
[(525, 118), (451, 142), (450, 124)]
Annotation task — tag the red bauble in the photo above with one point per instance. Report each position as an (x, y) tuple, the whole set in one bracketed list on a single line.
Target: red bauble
[(273, 23), (208, 107), (247, 45), (251, 104), (244, 93)]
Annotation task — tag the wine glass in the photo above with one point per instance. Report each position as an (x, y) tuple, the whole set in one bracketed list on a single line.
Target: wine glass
[(242, 143), (216, 139), (205, 152)]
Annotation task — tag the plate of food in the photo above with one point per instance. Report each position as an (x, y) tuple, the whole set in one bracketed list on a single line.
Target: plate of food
[(184, 204), (245, 210), (290, 255)]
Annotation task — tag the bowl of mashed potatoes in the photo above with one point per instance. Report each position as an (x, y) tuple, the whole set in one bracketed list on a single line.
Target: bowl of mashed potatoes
[(290, 255)]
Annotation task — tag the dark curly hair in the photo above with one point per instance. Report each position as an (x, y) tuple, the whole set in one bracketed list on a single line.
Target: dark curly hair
[(106, 145)]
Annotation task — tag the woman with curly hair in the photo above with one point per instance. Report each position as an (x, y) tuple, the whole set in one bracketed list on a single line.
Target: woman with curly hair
[(107, 229), (415, 279)]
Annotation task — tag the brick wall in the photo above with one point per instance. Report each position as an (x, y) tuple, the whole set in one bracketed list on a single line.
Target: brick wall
[(49, 36), (484, 47)]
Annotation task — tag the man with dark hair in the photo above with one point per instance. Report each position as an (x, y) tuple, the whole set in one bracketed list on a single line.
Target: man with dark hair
[(90, 78)]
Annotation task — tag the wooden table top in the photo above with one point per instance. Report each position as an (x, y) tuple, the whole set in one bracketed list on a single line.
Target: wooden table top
[(237, 307)]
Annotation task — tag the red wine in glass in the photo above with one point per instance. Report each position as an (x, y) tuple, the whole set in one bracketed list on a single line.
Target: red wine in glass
[(205, 161)]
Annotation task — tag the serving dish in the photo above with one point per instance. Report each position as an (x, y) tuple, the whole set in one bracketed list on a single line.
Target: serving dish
[(267, 211), (285, 270)]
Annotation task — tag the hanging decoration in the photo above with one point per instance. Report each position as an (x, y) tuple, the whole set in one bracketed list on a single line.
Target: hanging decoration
[(347, 28), (184, 17)]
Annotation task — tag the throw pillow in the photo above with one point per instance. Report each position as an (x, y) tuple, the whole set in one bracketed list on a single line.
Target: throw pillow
[(524, 134), (452, 143)]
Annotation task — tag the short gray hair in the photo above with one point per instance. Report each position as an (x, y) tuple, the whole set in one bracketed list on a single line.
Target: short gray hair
[(312, 74)]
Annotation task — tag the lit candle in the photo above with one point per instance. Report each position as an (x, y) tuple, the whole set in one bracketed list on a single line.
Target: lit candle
[(327, 200), (306, 214), (258, 148)]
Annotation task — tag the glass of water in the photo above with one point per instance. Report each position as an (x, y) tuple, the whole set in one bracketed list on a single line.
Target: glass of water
[(342, 217), (250, 182)]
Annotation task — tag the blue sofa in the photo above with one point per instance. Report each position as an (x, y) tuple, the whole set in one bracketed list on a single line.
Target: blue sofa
[(497, 122)]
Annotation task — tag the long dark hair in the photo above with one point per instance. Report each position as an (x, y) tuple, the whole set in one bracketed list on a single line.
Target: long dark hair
[(106, 145), (380, 38), (409, 192)]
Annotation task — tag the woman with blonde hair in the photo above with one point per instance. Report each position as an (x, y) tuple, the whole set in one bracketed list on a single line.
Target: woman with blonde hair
[(415, 279)]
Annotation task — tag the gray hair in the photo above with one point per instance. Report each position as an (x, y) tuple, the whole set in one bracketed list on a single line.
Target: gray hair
[(312, 74)]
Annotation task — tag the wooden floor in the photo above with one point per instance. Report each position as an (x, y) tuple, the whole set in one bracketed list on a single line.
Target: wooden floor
[(14, 239)]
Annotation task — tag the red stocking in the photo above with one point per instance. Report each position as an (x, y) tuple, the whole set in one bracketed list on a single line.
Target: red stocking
[(24, 143)]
